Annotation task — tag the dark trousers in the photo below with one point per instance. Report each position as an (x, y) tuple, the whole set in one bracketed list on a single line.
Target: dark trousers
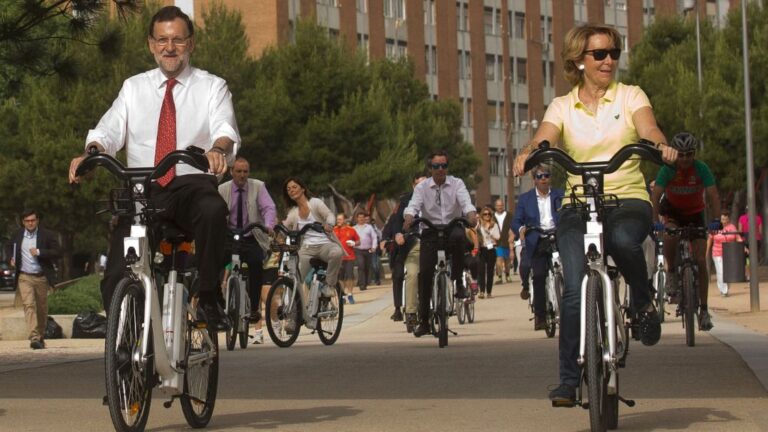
[(191, 202), (485, 269), (363, 259), (624, 231), (457, 241), (538, 264), (252, 254)]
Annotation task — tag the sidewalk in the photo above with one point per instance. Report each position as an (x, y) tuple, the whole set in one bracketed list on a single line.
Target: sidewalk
[(736, 307)]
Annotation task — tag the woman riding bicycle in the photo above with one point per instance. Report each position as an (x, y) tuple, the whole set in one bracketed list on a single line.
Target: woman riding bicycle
[(304, 210), (591, 123)]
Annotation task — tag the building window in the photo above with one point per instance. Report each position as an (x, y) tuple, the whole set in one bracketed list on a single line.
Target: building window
[(334, 3), (488, 20), (462, 16), (430, 53), (546, 28), (494, 114), (549, 75), (466, 104), (521, 66), (362, 6), (493, 67), (394, 9), (465, 65), (429, 12), (519, 25), (363, 44), (522, 113), (396, 49)]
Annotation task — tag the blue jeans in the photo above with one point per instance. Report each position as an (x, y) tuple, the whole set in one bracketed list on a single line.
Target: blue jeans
[(624, 231)]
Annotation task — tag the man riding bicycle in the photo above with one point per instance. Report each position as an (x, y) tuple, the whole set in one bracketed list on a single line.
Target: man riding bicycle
[(537, 208), (143, 120), (683, 204), (439, 199)]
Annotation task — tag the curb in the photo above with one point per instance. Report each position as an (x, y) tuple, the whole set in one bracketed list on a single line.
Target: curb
[(751, 346)]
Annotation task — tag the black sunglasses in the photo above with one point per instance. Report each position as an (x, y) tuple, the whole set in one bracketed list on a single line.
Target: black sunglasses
[(439, 166), (686, 154), (601, 54), (540, 176)]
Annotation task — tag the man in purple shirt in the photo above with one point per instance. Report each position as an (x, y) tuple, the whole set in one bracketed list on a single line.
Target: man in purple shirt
[(249, 201), (364, 251)]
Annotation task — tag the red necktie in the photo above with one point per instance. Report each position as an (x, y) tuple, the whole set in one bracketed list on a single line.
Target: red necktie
[(166, 131)]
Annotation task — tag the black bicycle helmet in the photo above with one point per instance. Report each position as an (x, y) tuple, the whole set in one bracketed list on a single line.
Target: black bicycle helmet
[(685, 142)]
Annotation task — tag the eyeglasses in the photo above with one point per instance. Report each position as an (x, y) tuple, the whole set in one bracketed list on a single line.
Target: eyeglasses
[(540, 176), (486, 214), (601, 54), (30, 220), (179, 42), (439, 166), (686, 154)]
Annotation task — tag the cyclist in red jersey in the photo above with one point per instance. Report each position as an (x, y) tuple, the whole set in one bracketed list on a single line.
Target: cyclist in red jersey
[(678, 195)]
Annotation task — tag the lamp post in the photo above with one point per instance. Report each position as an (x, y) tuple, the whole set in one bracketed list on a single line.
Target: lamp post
[(693, 5), (502, 167)]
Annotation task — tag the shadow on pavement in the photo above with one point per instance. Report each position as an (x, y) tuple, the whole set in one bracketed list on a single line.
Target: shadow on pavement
[(274, 419), (673, 418)]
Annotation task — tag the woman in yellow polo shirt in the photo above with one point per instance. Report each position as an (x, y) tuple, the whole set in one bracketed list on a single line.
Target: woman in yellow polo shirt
[(591, 123)]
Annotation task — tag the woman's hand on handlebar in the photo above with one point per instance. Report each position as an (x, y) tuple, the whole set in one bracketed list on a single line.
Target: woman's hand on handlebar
[(668, 153)]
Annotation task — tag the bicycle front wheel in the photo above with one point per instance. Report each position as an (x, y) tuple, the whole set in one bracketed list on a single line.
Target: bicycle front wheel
[(470, 311), (460, 309), (330, 316), (689, 304), (283, 308), (442, 306), (597, 373), (201, 378), (129, 392), (660, 284), (233, 311)]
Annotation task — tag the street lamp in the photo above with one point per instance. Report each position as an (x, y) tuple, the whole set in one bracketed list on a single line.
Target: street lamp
[(693, 5)]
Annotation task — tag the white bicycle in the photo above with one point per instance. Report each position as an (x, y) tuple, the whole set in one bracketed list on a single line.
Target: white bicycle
[(153, 342), (554, 284)]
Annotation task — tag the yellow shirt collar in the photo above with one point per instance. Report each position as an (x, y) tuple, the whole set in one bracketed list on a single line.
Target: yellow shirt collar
[(609, 96)]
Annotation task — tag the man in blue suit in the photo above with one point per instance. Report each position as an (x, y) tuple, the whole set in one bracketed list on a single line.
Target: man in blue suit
[(536, 208)]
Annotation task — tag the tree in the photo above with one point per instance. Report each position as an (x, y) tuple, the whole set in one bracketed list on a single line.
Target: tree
[(318, 110), (35, 33)]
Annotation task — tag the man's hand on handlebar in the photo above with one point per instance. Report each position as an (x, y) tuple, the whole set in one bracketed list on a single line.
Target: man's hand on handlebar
[(518, 168), (79, 159), (407, 222), (472, 219), (217, 162)]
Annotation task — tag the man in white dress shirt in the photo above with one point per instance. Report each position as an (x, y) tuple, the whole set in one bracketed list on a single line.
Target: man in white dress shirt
[(173, 107), (439, 199)]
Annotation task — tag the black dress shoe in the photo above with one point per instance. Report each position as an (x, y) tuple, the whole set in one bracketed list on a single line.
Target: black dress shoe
[(564, 396), (36, 344), (525, 294), (397, 316), (539, 323), (213, 316), (421, 330)]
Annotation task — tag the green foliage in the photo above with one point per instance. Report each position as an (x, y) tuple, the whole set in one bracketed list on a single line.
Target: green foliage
[(319, 111), (83, 295), (664, 65)]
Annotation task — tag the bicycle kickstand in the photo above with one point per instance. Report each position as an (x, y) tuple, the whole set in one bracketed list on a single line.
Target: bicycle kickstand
[(453, 332), (629, 402)]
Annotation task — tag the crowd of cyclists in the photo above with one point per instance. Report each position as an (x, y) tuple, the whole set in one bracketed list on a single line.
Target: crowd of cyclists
[(591, 123)]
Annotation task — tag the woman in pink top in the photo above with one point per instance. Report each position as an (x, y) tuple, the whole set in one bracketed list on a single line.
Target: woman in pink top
[(715, 242), (744, 228)]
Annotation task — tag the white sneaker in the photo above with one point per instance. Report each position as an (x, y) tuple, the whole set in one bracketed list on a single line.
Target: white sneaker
[(258, 336), (277, 327)]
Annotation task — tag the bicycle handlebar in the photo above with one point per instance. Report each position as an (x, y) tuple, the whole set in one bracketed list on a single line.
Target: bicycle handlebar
[(644, 148), (441, 227), (315, 226), (249, 228), (192, 156), (539, 229)]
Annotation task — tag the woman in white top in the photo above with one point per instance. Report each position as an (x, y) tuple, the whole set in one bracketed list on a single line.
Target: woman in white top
[(489, 233), (304, 210)]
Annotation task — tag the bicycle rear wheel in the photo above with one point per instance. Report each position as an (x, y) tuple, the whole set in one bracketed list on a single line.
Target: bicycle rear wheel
[(201, 378), (597, 374), (470, 312), (233, 311), (330, 317), (129, 392), (283, 308), (442, 314), (689, 304), (460, 309)]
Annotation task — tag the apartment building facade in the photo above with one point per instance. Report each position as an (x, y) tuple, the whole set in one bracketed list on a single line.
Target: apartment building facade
[(499, 59)]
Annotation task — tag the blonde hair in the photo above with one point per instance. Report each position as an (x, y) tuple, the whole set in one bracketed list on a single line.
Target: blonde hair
[(575, 44)]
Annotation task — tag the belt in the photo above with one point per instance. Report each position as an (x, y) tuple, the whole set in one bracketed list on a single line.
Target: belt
[(32, 274)]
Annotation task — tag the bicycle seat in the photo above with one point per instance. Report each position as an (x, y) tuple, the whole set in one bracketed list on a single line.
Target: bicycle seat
[(318, 263), (172, 234)]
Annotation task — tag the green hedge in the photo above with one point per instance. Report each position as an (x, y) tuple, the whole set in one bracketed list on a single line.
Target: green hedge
[(83, 295)]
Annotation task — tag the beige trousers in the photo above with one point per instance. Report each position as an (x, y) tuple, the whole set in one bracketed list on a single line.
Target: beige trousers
[(34, 297), (412, 280)]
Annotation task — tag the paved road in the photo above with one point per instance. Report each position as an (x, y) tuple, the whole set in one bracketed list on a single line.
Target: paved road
[(492, 377)]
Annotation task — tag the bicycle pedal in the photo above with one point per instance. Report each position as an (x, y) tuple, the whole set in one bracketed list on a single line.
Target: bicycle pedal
[(564, 404), (105, 401), (629, 402)]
